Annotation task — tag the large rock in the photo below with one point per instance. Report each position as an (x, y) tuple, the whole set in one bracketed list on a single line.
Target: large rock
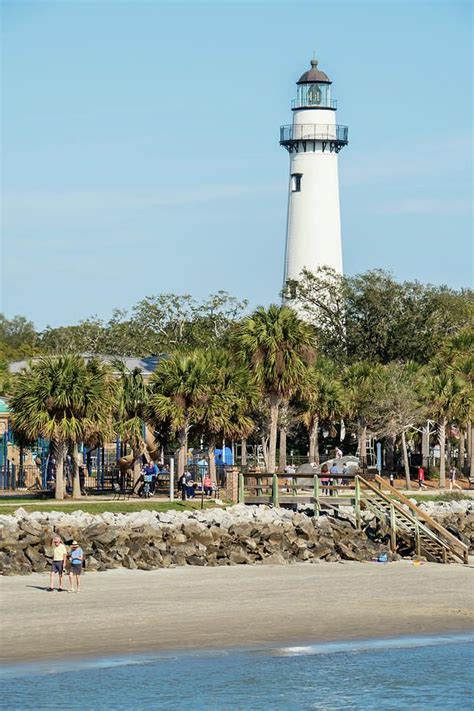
[(236, 536), (276, 558), (239, 555), (31, 527)]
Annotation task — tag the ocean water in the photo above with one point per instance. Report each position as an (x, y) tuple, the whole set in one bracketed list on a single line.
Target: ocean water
[(425, 673)]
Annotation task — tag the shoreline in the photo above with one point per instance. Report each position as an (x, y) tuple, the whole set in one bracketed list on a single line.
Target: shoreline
[(288, 649), (185, 609)]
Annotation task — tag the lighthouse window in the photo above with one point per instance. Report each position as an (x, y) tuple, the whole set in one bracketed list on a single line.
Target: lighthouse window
[(296, 182)]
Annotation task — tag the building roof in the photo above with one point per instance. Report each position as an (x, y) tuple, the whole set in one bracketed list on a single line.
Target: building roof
[(314, 75), (4, 409), (147, 365)]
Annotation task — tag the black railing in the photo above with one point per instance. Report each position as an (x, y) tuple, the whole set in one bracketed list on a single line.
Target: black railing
[(314, 132), (313, 104)]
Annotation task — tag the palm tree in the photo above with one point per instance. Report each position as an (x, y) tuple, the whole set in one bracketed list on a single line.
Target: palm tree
[(457, 354), (277, 346), (131, 411), (357, 381), (443, 390), (179, 391), (231, 394), (67, 400), (460, 354), (286, 422), (321, 400)]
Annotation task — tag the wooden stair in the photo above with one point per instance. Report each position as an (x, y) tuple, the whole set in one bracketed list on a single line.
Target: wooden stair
[(405, 520)]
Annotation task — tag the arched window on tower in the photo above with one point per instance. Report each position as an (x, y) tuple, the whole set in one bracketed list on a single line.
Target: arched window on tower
[(296, 182)]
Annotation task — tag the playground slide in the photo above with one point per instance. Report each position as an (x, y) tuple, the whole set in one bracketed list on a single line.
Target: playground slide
[(151, 452)]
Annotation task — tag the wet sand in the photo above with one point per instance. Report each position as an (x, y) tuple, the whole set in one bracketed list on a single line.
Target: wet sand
[(129, 611)]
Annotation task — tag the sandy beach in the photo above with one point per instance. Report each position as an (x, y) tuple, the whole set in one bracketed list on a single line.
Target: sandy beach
[(128, 611)]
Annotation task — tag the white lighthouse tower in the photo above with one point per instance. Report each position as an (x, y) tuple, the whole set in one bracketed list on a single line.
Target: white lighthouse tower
[(313, 140)]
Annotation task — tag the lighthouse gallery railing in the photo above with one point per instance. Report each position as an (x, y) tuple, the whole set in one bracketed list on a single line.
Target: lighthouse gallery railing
[(314, 132)]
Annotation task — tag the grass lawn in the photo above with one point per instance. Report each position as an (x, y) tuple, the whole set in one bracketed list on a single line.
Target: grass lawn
[(98, 507), (445, 496)]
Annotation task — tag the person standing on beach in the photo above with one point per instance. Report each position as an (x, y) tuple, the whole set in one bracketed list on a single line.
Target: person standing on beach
[(59, 563), (77, 557)]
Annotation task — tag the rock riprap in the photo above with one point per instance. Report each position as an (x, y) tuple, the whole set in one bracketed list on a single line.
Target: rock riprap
[(147, 540), (456, 516), (234, 536)]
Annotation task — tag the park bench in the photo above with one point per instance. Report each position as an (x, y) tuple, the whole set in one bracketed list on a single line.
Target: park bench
[(118, 491)]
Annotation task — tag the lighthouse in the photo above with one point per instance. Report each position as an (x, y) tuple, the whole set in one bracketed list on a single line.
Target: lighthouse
[(313, 140)]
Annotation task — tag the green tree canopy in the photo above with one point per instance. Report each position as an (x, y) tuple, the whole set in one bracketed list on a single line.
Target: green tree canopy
[(65, 399), (278, 346), (375, 318)]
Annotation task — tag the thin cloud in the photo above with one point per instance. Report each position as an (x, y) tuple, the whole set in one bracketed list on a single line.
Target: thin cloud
[(85, 200), (424, 206), (397, 163)]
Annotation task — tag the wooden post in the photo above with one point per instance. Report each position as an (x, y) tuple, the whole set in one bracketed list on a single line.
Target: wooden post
[(393, 529), (357, 501), (317, 506), (171, 478), (417, 539), (241, 494), (275, 490)]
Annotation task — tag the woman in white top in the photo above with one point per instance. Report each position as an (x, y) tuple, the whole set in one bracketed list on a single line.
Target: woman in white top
[(452, 479)]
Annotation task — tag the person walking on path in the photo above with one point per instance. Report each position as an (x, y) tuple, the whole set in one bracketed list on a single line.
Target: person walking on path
[(452, 479), (150, 475), (190, 491), (77, 558), (59, 563), (345, 480), (289, 471), (334, 480), (421, 478), (147, 481), (182, 486)]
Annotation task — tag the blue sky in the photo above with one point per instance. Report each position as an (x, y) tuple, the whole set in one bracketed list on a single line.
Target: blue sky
[(140, 145)]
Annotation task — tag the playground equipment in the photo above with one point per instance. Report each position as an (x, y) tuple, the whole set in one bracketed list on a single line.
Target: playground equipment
[(150, 450)]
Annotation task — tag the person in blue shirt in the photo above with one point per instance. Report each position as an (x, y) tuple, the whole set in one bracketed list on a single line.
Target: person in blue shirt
[(76, 557), (150, 474)]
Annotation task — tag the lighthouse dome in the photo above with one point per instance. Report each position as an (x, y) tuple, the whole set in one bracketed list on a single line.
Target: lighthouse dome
[(314, 75)]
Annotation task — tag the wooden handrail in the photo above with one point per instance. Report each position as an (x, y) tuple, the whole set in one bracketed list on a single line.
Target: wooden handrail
[(404, 513), (262, 475), (308, 487), (422, 514)]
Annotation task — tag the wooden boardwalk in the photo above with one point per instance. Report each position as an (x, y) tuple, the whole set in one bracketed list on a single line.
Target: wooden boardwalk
[(405, 522)]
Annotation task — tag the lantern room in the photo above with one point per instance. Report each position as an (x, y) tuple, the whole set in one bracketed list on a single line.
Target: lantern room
[(314, 90)]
